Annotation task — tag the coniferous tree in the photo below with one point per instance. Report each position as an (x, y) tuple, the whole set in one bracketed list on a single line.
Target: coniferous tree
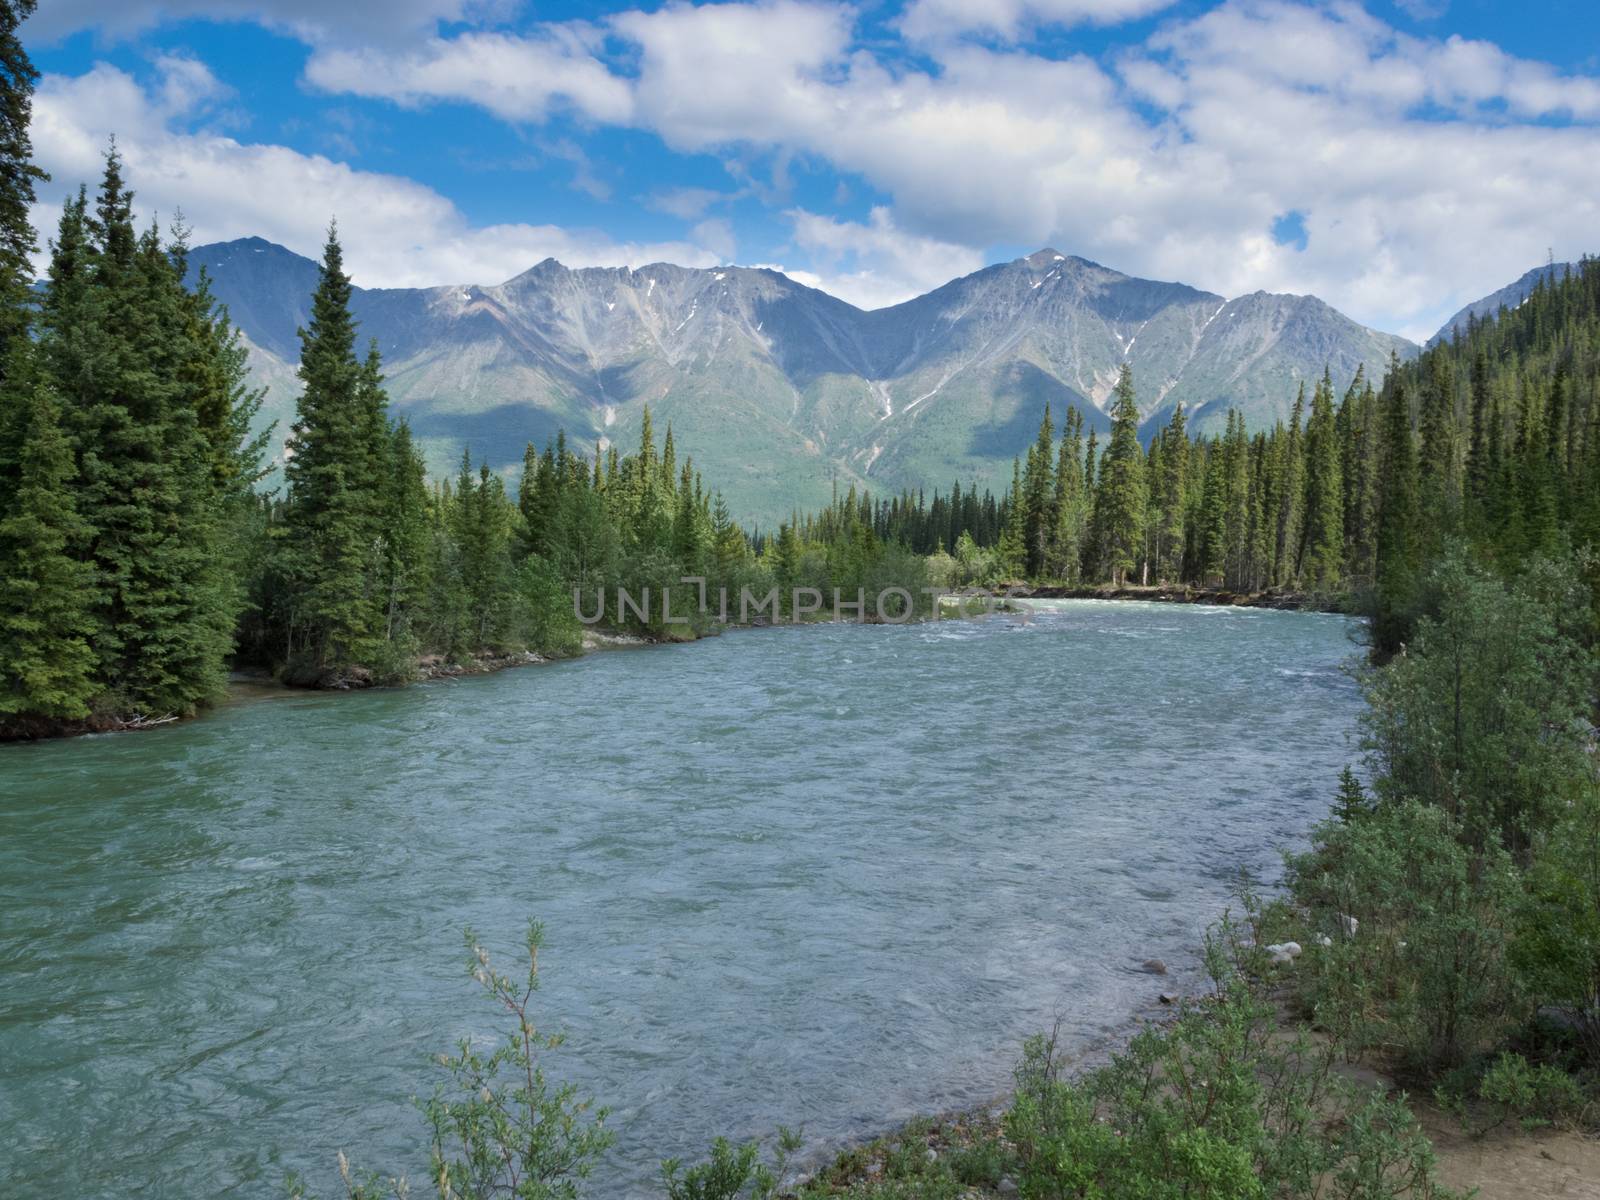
[(1066, 543), (332, 528), (46, 663), (1322, 545), (1038, 499), (1120, 491), (1397, 541), (18, 174), (1171, 495)]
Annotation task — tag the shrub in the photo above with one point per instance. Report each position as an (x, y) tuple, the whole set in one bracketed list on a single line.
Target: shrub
[(1428, 975), (1558, 940), (502, 1129), (732, 1172), (1512, 1088), (1484, 716), (1219, 1104)]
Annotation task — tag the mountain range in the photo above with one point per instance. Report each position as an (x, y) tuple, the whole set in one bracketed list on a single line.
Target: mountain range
[(779, 390)]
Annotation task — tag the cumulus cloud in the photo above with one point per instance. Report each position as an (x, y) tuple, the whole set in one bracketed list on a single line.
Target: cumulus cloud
[(875, 263), (1259, 107), (724, 73), (396, 232), (318, 20), (1008, 18), (1173, 158), (516, 78)]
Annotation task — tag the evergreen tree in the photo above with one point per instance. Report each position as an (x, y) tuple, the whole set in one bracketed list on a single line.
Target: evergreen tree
[(332, 529), (1038, 500), (1170, 495), (1013, 547), (1120, 492), (1322, 552), (46, 664), (1397, 542), (18, 174)]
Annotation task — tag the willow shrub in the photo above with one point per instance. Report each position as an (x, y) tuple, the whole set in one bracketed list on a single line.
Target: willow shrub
[(1220, 1103), (1426, 975), (500, 1128)]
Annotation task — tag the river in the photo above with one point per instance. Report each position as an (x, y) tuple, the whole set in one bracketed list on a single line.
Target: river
[(825, 876)]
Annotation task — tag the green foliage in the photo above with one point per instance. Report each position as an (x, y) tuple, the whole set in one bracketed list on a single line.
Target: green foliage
[(1534, 1095), (1483, 717), (1427, 977), (124, 460), (732, 1172), (1557, 950), (1457, 903), (46, 663), (1120, 494), (1217, 1104), (501, 1128)]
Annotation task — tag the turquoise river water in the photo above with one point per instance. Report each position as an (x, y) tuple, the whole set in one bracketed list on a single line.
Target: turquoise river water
[(824, 876)]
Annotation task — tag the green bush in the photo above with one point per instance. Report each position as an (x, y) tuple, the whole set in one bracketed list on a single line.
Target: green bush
[(1427, 976), (1558, 942), (1513, 1089), (501, 1129), (1219, 1104), (1483, 716), (732, 1172)]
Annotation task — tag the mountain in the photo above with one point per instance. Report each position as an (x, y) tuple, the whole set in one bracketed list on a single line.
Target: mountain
[(779, 390), (1509, 296)]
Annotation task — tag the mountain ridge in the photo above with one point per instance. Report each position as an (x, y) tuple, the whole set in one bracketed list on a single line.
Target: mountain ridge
[(780, 390), (1510, 296)]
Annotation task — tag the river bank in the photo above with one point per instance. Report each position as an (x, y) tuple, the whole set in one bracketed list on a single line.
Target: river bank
[(973, 1154), (1282, 600), (968, 1156)]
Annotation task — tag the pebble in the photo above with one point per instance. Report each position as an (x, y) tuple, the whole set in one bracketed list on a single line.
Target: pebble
[(1154, 966), (1008, 1186), (1169, 997)]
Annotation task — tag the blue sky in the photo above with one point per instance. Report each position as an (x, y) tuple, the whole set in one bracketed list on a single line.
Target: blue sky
[(1396, 158)]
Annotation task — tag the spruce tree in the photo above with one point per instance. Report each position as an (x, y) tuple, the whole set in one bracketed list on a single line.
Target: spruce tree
[(332, 526), (18, 174), (1323, 542), (46, 663), (1120, 494), (1171, 489), (1397, 541), (1038, 499)]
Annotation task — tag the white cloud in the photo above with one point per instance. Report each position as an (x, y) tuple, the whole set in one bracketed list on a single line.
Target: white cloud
[(314, 20), (723, 73), (875, 264), (513, 77), (1008, 18), (396, 232), (716, 235), (1172, 159), (1264, 106), (685, 203)]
